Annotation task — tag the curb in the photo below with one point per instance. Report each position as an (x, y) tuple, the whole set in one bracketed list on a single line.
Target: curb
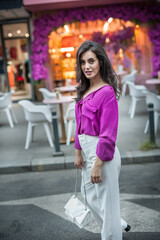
[(67, 162)]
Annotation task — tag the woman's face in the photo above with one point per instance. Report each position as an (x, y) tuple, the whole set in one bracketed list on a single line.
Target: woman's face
[(90, 65)]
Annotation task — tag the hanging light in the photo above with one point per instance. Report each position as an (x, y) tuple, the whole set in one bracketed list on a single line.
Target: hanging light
[(105, 27), (80, 36), (107, 40), (110, 20), (18, 31), (121, 53), (66, 28), (9, 34), (67, 49), (27, 35), (68, 54)]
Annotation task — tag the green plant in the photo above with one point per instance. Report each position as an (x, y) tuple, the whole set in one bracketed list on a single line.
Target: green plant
[(148, 146), (37, 82)]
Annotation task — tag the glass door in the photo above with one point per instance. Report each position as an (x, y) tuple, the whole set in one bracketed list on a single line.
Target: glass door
[(16, 44)]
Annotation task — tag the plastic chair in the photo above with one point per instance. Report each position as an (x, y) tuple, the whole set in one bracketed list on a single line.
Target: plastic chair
[(6, 106), (36, 114), (153, 98), (47, 94), (69, 119), (137, 94), (128, 78)]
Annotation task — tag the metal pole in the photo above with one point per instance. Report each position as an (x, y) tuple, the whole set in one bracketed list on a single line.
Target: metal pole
[(151, 122), (29, 53), (4, 57), (56, 135)]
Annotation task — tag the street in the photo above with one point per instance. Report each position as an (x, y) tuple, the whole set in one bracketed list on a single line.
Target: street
[(31, 205)]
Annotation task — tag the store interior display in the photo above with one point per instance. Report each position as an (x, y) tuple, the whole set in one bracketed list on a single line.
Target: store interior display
[(2, 74), (17, 66), (17, 61), (126, 43)]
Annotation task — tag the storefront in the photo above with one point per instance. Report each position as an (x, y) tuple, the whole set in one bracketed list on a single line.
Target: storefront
[(129, 33)]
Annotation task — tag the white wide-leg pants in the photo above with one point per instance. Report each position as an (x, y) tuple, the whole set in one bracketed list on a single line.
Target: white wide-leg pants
[(103, 198)]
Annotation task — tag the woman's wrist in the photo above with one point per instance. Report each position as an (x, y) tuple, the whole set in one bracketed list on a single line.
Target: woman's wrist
[(78, 152), (98, 162)]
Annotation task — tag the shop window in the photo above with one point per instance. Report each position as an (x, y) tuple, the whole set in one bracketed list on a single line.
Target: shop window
[(126, 44)]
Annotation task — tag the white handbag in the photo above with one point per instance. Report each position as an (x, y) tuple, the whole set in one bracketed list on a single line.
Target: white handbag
[(76, 211)]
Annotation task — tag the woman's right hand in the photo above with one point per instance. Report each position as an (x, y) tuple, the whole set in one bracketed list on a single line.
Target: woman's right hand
[(79, 162)]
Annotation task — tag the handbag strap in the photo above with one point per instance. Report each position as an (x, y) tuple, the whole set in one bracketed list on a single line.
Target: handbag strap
[(85, 196)]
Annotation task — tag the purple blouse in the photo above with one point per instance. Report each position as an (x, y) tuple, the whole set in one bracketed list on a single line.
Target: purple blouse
[(97, 115)]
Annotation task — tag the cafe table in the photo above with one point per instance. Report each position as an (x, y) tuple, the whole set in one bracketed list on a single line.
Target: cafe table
[(154, 81), (122, 73), (60, 100), (71, 89)]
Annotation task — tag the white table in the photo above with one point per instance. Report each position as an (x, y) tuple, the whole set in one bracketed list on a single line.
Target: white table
[(154, 81), (60, 101), (122, 73), (71, 89)]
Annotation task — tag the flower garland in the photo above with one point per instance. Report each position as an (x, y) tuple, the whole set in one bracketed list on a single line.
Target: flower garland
[(154, 34), (99, 38), (117, 40), (47, 23), (121, 39)]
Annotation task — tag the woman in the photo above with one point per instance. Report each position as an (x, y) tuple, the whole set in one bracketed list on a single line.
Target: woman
[(96, 132)]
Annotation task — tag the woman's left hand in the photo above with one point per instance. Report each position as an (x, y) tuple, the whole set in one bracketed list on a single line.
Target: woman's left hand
[(96, 174)]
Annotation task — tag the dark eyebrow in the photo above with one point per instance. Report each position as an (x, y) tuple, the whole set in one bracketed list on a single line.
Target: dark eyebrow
[(87, 59)]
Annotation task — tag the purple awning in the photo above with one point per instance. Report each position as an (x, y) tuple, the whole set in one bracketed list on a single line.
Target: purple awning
[(41, 5)]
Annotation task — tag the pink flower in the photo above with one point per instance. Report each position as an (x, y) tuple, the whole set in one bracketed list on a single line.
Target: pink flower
[(46, 23)]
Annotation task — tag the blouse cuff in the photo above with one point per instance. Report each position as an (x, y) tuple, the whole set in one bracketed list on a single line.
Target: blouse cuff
[(105, 150), (76, 144)]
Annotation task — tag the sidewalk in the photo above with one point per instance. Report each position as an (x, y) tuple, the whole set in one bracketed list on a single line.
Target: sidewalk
[(14, 158)]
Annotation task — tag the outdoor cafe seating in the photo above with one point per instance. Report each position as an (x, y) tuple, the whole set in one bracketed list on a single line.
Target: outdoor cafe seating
[(155, 99), (46, 93), (69, 120), (128, 78), (35, 115), (136, 93), (6, 106)]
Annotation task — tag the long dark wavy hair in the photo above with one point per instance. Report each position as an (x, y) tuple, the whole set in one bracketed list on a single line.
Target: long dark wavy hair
[(106, 70)]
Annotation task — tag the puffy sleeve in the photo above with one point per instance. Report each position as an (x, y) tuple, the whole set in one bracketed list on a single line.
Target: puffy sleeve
[(77, 144), (108, 129)]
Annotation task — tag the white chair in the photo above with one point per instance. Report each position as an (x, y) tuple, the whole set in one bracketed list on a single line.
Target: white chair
[(36, 114), (69, 120), (6, 106), (137, 94), (47, 94), (153, 98), (128, 78)]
